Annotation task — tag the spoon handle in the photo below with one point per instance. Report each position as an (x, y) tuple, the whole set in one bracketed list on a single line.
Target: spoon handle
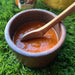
[(57, 19)]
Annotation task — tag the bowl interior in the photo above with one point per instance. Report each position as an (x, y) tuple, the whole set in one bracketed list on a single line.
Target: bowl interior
[(32, 15)]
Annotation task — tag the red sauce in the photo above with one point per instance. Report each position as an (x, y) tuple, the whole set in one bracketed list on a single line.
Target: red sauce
[(49, 40)]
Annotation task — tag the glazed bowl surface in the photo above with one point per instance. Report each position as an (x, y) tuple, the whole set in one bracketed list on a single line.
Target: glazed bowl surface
[(34, 59)]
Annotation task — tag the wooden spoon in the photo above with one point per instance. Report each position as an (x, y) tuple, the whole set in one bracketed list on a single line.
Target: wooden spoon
[(42, 30)]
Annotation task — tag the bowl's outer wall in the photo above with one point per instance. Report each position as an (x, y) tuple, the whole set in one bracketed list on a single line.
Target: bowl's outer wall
[(36, 62)]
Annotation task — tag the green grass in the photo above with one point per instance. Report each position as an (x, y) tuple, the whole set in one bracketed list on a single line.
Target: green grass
[(64, 63)]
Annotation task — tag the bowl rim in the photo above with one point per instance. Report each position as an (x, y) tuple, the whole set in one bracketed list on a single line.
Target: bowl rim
[(18, 50)]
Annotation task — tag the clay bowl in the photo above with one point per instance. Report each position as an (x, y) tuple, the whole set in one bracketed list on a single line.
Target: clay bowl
[(34, 60)]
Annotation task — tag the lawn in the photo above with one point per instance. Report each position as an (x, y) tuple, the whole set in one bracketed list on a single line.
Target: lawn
[(64, 63)]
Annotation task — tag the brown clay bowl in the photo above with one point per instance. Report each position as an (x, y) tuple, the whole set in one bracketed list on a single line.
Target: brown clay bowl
[(34, 60)]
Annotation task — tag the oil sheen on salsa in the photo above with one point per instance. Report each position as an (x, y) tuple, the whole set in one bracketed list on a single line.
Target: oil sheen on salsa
[(36, 45)]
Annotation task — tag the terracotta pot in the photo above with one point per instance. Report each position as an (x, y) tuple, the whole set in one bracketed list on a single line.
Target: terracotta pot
[(33, 59)]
